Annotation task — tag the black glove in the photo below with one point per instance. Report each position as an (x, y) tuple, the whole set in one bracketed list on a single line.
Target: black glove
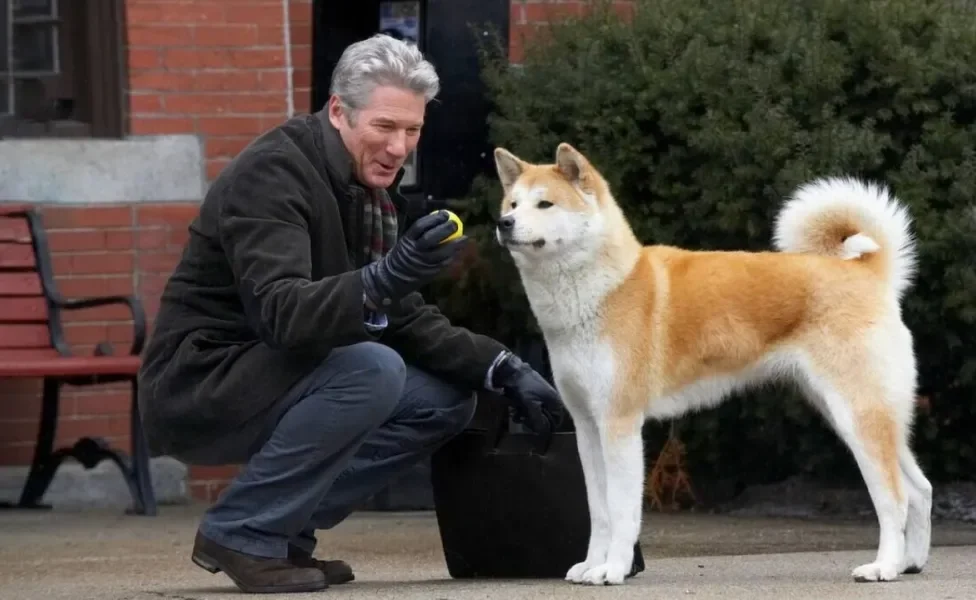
[(535, 401), (416, 259)]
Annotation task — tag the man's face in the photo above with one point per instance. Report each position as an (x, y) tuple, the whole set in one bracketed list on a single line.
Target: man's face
[(381, 134)]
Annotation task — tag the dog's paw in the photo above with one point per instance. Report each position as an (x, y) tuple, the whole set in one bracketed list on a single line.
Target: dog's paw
[(875, 572), (608, 573), (576, 572)]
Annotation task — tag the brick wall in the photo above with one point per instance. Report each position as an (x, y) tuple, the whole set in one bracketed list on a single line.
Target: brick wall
[(96, 251), (218, 68), (215, 68)]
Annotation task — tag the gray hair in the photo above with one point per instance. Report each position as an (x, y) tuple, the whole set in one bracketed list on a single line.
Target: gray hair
[(381, 60)]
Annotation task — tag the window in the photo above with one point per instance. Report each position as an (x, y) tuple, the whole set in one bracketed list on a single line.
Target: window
[(401, 19), (58, 78)]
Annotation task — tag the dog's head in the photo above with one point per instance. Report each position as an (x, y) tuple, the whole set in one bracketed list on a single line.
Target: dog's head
[(550, 211)]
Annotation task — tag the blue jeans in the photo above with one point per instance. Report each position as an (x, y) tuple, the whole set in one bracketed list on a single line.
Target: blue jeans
[(345, 432)]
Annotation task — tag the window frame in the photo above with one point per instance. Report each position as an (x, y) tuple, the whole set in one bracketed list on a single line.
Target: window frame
[(93, 75)]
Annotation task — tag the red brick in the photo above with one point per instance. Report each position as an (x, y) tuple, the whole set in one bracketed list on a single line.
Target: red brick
[(72, 428), (301, 33), (227, 81), (162, 125), (144, 58), (301, 56), (102, 403), (141, 103), (265, 14), (226, 35), (23, 408), (160, 35), (146, 239), (178, 215), (99, 285), (185, 58), (257, 58), (215, 104), (82, 239), (250, 126), (269, 35), (302, 78), (215, 166), (161, 81), (152, 284), (214, 473), (164, 11), (158, 262), (225, 146), (120, 239), (87, 217), (16, 454), (93, 263)]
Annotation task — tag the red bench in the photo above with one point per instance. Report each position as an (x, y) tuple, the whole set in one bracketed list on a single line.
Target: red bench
[(32, 345)]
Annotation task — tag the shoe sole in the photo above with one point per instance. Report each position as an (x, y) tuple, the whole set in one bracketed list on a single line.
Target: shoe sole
[(208, 564)]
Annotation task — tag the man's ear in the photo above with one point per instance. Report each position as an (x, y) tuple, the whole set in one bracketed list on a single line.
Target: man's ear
[(508, 166), (572, 164)]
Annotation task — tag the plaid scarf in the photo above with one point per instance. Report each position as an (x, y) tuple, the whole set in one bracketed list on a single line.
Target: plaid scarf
[(379, 225)]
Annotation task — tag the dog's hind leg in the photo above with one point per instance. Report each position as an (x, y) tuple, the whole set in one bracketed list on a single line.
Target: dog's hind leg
[(868, 424), (918, 529), (623, 467), (591, 459)]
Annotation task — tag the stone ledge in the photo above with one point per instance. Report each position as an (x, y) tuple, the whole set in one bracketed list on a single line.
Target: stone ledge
[(74, 487), (82, 171)]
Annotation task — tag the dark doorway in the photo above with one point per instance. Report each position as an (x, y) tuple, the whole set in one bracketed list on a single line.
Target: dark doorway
[(454, 145)]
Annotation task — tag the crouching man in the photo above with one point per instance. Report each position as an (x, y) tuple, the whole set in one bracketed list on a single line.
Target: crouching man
[(292, 339)]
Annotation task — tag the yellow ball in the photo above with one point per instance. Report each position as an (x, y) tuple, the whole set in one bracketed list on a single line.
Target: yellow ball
[(460, 227)]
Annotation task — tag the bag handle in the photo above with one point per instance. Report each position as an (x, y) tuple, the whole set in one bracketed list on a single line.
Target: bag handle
[(501, 427)]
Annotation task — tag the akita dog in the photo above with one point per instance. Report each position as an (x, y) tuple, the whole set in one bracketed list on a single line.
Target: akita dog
[(640, 332)]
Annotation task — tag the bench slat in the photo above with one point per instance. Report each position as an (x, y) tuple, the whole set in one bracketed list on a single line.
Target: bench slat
[(14, 229), (69, 366), (23, 354), (24, 336), (20, 284), (23, 310), (16, 256)]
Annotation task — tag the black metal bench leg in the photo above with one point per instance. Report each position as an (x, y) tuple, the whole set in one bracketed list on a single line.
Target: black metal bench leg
[(45, 463), (145, 500)]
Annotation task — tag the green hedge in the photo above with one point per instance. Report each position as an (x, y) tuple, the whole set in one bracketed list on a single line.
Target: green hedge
[(703, 115)]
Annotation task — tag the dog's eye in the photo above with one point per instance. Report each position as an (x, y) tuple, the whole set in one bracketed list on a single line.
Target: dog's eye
[(543, 204)]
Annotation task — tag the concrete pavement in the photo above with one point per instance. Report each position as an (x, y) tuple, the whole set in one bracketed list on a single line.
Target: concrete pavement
[(104, 555)]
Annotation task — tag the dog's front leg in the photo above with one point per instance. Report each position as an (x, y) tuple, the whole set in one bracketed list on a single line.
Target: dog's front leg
[(591, 459), (623, 456)]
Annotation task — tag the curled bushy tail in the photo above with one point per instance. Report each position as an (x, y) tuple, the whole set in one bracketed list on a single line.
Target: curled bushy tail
[(853, 220)]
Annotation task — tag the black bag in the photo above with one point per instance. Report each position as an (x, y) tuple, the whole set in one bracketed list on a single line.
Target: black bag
[(511, 505)]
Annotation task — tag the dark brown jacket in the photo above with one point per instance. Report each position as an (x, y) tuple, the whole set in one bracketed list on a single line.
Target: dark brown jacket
[(268, 284)]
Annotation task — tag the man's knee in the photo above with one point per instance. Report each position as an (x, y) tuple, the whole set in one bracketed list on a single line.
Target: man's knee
[(372, 374), (451, 406)]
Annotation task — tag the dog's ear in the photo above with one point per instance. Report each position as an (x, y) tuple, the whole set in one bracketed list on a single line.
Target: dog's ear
[(572, 164), (508, 166)]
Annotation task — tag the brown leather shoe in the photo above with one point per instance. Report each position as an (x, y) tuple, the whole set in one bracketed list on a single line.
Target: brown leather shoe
[(256, 574), (336, 571)]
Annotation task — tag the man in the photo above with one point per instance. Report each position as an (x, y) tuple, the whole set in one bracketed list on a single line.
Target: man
[(292, 339)]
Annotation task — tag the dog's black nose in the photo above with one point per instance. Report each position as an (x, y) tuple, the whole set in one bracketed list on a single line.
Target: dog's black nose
[(506, 223)]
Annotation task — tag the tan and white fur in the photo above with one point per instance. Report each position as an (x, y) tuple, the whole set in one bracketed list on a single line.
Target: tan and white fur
[(639, 332)]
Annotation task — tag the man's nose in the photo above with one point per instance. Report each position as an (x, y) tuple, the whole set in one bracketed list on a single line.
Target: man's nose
[(398, 145)]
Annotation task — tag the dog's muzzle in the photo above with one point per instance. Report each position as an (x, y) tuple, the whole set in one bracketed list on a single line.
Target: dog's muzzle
[(504, 227)]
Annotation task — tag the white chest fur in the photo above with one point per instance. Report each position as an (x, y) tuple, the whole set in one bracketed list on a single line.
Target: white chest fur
[(569, 310)]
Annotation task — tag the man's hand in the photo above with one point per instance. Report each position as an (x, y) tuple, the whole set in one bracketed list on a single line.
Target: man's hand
[(535, 400), (416, 259)]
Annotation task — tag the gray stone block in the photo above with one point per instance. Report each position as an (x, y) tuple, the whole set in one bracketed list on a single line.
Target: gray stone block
[(162, 168), (74, 487)]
